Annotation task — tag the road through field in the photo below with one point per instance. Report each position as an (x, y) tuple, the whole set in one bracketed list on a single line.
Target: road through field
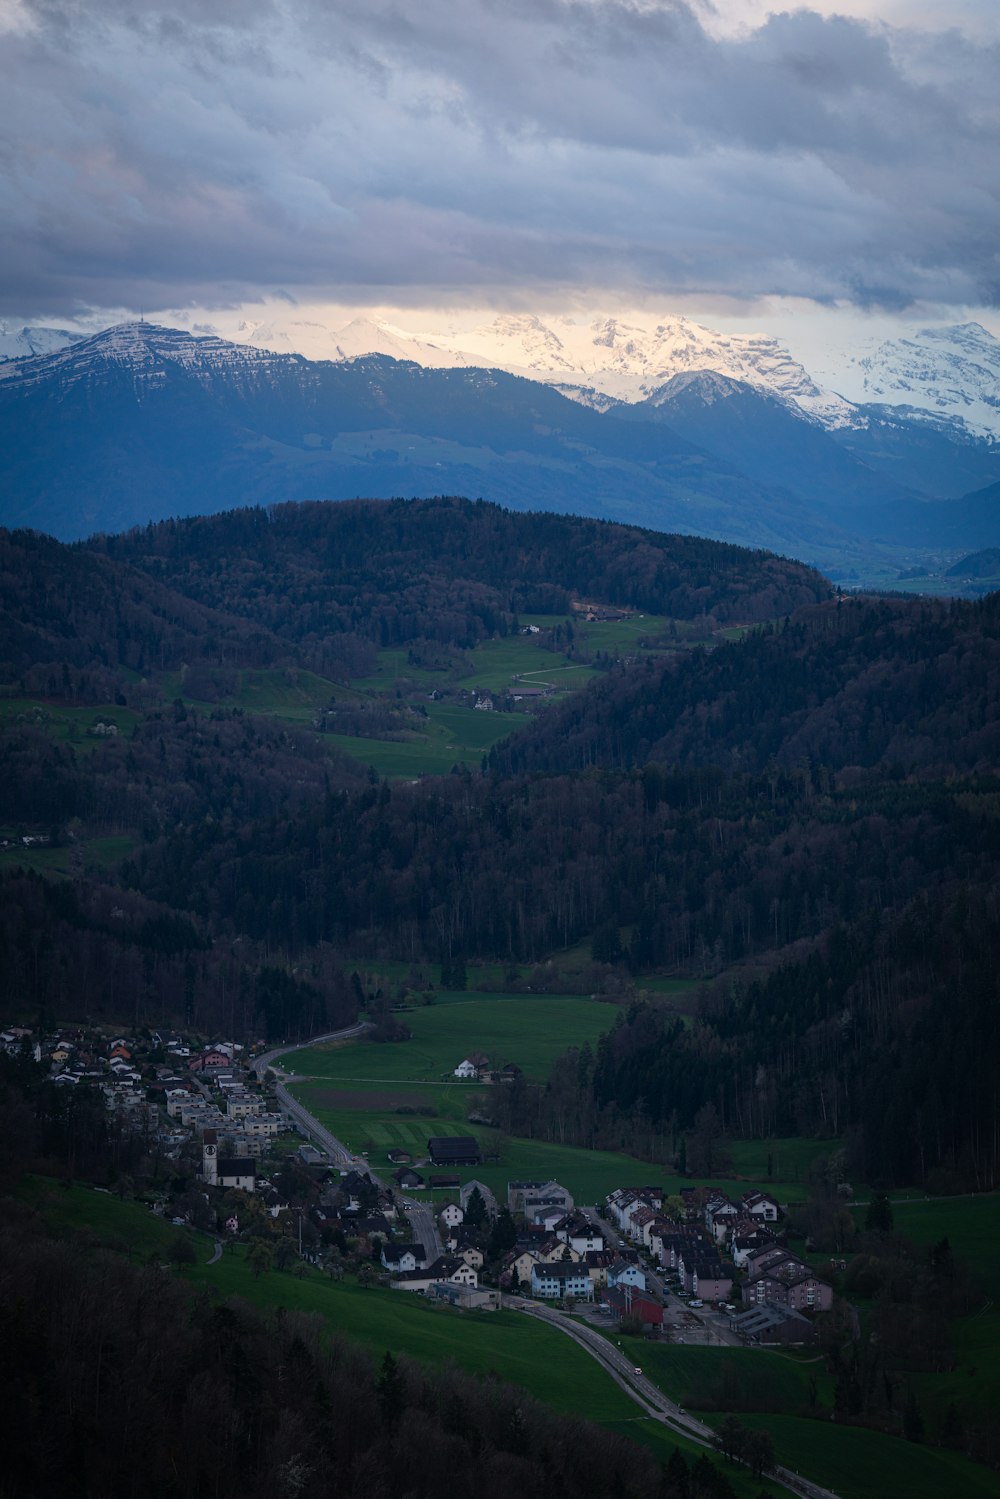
[(651, 1398), (645, 1394)]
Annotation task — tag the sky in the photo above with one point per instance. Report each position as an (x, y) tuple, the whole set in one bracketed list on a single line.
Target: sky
[(201, 160)]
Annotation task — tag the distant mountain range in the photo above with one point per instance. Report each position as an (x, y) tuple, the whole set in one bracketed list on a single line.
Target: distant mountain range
[(141, 422), (947, 376)]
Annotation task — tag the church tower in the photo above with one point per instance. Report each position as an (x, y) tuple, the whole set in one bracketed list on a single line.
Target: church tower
[(210, 1158)]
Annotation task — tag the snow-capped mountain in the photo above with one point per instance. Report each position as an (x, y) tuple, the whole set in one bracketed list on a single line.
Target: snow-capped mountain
[(631, 360), (949, 375), (595, 363), (144, 350), (23, 343)]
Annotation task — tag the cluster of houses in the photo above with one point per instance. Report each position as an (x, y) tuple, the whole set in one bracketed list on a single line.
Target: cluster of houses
[(170, 1087), (452, 1276), (706, 1245)]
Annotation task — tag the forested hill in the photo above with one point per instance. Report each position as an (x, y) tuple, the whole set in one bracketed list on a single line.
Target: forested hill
[(855, 682), (448, 569), (60, 604)]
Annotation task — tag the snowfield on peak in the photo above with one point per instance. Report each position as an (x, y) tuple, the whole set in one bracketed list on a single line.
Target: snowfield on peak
[(24, 343), (597, 362), (950, 374)]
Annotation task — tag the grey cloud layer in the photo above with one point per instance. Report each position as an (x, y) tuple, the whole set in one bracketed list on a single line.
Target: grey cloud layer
[(203, 154)]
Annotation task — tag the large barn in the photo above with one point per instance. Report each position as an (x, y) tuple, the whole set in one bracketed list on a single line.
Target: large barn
[(454, 1150)]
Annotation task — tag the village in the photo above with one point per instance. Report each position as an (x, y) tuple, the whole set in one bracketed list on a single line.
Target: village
[(698, 1267)]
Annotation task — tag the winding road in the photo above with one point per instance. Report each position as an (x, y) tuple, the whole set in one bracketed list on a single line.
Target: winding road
[(650, 1397), (646, 1395)]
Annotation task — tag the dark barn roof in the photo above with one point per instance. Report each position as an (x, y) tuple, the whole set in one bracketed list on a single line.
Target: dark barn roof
[(454, 1150)]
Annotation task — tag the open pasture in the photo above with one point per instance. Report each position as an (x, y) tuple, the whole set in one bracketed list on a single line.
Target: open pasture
[(450, 736), (860, 1464), (970, 1224), (735, 1378), (530, 1030), (129, 1228)]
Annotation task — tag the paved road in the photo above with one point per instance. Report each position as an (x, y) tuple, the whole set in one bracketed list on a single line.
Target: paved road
[(651, 1398), (308, 1123), (423, 1227)]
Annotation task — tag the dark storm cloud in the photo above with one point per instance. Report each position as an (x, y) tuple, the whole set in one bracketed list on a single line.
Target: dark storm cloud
[(188, 153)]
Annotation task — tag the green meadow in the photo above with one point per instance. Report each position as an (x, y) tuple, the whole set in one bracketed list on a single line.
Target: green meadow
[(104, 1220), (970, 1224), (701, 1378), (377, 1097), (860, 1464), (65, 724), (972, 1227), (853, 1462), (529, 1029), (452, 735), (784, 1161)]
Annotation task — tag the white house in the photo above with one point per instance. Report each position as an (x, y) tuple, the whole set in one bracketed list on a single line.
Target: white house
[(466, 1069), (558, 1281), (622, 1273)]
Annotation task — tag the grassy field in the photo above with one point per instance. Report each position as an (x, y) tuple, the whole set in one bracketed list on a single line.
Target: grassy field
[(495, 665), (789, 1159), (70, 858), (48, 861), (380, 1097), (454, 736), (65, 724), (970, 1224), (735, 1378), (529, 1029), (859, 1464), (972, 1227), (127, 1227)]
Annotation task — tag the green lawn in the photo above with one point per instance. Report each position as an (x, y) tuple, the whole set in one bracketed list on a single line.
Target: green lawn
[(972, 1227), (356, 1091), (857, 1464), (48, 861), (453, 736)]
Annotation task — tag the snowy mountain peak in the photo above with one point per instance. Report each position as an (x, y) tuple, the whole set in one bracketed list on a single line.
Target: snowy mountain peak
[(23, 343), (950, 375), (144, 350), (606, 360)]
